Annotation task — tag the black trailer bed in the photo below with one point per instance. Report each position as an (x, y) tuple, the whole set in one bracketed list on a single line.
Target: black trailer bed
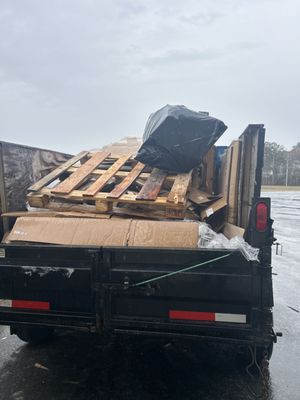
[(93, 289)]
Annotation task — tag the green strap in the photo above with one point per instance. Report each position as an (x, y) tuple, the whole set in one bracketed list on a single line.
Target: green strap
[(181, 270)]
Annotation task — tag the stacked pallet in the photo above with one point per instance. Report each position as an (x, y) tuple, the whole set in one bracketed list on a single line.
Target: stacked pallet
[(100, 182)]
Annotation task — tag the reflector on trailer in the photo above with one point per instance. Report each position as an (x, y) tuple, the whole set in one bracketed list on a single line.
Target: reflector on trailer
[(207, 316), (25, 304), (261, 216)]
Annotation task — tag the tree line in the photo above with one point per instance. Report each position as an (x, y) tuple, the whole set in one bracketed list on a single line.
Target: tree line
[(281, 167)]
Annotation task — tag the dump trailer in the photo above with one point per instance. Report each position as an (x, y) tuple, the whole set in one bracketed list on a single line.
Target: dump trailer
[(214, 295)]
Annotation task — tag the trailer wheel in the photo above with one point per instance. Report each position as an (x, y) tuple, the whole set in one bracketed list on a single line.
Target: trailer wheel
[(34, 335)]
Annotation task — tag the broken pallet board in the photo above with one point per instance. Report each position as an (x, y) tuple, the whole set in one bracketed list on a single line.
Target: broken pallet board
[(209, 170), (56, 214), (153, 185), (128, 181), (180, 188), (79, 176), (107, 175), (46, 180)]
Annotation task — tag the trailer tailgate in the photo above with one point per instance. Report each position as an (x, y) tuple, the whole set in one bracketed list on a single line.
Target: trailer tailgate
[(47, 285), (222, 294)]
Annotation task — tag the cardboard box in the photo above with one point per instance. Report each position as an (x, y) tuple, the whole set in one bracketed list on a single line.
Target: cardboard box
[(163, 234), (71, 231), (97, 232), (231, 231)]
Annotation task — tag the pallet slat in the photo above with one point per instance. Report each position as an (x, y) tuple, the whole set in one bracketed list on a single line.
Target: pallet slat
[(179, 189), (107, 175), (131, 177), (152, 187), (46, 180), (79, 176)]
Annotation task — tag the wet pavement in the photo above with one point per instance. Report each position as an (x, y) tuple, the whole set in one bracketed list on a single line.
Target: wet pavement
[(76, 366)]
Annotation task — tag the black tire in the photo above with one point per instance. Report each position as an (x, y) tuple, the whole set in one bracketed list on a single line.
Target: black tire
[(34, 336)]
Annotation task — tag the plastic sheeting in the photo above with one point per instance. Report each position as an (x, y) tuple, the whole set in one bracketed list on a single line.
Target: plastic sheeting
[(176, 138), (209, 239)]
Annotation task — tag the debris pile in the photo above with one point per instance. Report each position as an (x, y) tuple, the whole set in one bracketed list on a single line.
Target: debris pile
[(177, 174)]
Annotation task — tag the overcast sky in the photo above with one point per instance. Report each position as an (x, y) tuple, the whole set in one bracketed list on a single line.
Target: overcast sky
[(77, 74)]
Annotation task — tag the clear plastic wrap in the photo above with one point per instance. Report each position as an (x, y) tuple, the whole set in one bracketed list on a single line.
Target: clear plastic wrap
[(209, 239)]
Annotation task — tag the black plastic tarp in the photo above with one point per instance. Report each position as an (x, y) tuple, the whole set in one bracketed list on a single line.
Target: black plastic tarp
[(176, 138)]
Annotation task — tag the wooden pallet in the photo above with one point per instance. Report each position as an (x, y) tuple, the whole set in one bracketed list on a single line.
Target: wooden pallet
[(87, 178)]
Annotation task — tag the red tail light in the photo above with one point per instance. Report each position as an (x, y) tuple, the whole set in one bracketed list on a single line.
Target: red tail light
[(261, 217)]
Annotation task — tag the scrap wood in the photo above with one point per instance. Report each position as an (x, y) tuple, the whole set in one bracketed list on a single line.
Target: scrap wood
[(230, 179), (233, 184), (212, 208), (180, 188), (152, 187), (208, 170), (55, 214), (87, 185), (122, 173), (108, 174), (57, 172), (154, 214), (130, 178), (78, 177), (37, 202)]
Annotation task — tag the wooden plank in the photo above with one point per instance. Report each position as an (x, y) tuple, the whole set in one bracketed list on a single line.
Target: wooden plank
[(179, 189), (104, 206), (107, 175), (55, 174), (225, 172), (209, 170), (234, 182), (122, 174), (57, 214), (78, 177), (130, 178), (76, 196), (175, 213), (39, 200), (152, 187)]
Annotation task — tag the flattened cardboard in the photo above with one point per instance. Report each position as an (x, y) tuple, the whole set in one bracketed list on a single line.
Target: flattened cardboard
[(163, 234), (199, 197), (97, 232), (212, 208), (71, 231), (231, 231)]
